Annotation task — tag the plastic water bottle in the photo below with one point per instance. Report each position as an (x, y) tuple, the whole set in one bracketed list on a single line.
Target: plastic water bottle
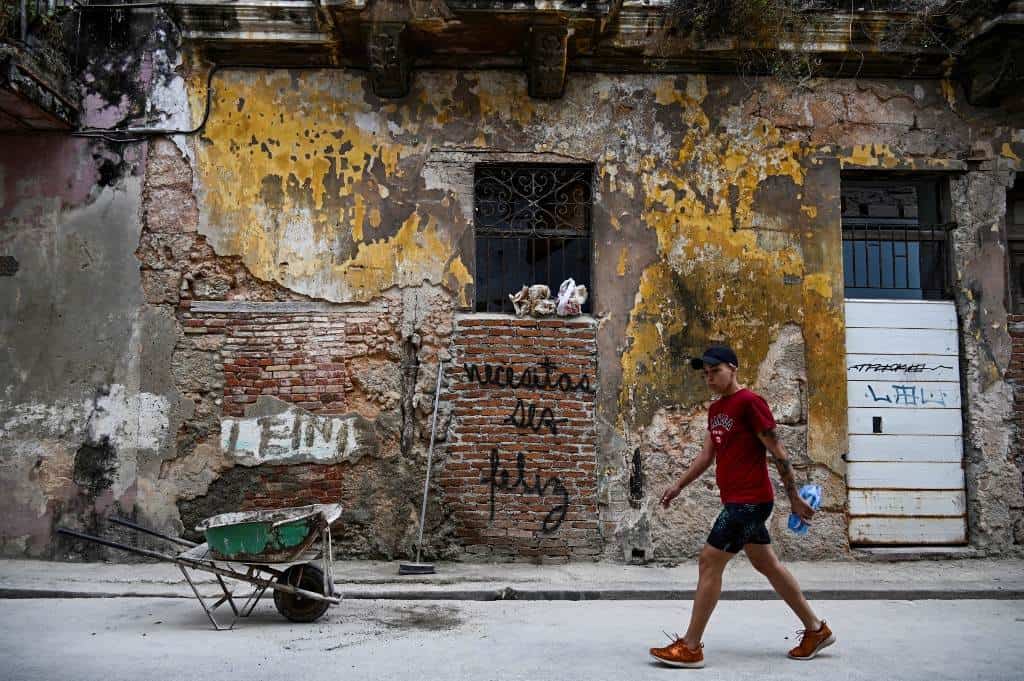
[(812, 495)]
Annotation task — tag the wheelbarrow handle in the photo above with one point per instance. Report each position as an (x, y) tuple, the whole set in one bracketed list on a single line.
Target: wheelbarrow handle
[(117, 545), (139, 528)]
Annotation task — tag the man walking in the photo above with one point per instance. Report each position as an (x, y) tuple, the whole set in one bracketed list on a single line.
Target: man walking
[(740, 429)]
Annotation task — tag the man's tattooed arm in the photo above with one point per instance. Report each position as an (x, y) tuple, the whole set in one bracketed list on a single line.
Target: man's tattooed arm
[(781, 459)]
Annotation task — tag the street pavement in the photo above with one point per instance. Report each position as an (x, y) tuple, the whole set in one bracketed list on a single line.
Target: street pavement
[(922, 579), (110, 639)]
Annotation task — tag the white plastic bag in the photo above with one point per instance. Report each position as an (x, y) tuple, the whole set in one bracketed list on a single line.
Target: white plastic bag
[(565, 298)]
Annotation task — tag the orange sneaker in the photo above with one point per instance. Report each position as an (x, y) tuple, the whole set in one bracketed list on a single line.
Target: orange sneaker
[(678, 654), (813, 642)]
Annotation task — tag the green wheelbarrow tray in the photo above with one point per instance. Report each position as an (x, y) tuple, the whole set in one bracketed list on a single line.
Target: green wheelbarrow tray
[(267, 536)]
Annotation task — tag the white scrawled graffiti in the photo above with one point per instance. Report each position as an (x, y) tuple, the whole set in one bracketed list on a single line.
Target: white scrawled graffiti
[(294, 436)]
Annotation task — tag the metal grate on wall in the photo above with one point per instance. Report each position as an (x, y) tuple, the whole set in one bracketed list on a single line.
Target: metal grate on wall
[(896, 261), (1015, 244), (532, 226), (895, 245)]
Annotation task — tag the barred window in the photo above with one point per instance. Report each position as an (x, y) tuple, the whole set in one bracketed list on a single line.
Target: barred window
[(895, 242), (532, 226)]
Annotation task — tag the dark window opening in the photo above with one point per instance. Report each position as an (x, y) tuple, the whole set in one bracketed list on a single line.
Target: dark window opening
[(1015, 244), (532, 226), (895, 239)]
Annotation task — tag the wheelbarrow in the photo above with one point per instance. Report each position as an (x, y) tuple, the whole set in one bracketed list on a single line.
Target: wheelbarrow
[(268, 549)]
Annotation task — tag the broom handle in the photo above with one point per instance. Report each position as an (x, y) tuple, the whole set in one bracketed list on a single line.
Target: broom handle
[(430, 456)]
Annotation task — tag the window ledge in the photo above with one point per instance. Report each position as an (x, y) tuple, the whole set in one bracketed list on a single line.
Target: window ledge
[(586, 318)]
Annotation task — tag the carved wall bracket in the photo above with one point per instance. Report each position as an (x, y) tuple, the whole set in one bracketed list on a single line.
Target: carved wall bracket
[(390, 61), (548, 60)]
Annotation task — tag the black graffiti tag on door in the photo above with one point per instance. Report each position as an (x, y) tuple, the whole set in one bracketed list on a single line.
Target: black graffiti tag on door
[(499, 481)]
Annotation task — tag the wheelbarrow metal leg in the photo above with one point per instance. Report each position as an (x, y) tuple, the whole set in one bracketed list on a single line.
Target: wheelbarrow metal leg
[(227, 597), (254, 597), (258, 595), (328, 561), (209, 613)]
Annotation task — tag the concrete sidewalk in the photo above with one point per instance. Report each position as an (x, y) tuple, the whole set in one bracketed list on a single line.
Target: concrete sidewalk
[(848, 580)]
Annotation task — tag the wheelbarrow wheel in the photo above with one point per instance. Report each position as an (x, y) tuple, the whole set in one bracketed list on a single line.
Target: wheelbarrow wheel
[(294, 607)]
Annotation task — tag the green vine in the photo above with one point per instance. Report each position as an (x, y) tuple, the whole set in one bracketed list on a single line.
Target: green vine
[(8, 20), (46, 25)]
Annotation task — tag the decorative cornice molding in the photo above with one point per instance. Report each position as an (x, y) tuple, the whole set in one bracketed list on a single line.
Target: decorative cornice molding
[(552, 38)]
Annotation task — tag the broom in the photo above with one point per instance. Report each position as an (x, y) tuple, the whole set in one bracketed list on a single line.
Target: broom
[(419, 568)]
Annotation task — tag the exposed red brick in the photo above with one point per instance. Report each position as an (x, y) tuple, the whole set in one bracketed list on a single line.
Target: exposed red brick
[(516, 524)]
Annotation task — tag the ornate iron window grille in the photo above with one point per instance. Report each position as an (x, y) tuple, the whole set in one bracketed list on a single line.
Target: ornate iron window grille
[(532, 226)]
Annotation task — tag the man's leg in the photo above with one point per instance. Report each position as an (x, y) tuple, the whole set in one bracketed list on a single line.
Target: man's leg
[(711, 565), (767, 563)]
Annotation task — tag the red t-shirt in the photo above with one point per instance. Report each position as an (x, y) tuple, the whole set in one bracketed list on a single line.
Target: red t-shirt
[(741, 468)]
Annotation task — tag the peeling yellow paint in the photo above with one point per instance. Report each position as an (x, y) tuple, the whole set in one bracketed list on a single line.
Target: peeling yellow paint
[(381, 264), (820, 283), (654, 320), (870, 156), (884, 156), (497, 101), (292, 177), (949, 92), (718, 277), (462, 278), (358, 218), (620, 268), (695, 89)]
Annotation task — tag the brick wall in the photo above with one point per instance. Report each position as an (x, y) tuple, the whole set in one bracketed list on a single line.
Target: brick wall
[(304, 357), (295, 485), (324, 360), (520, 474), (1016, 378)]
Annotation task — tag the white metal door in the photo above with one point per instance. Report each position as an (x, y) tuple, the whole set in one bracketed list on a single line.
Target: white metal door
[(905, 475)]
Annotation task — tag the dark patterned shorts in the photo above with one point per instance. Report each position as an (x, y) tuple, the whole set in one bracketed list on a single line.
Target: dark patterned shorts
[(740, 524)]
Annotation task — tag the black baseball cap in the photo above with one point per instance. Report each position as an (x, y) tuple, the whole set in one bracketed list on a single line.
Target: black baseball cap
[(715, 354)]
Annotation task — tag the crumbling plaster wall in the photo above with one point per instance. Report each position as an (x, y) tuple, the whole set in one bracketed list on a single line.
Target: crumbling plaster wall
[(79, 414), (995, 505), (716, 218), (257, 361), (88, 407)]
